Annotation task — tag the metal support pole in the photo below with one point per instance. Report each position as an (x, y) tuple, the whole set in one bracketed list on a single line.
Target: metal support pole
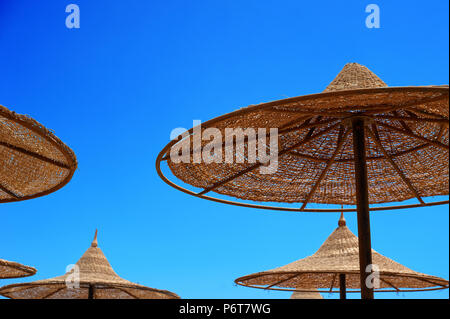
[(362, 204), (342, 286)]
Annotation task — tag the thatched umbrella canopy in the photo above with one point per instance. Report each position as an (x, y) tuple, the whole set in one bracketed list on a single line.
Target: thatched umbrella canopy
[(33, 161), (336, 265), (11, 269), (91, 278), (357, 143), (306, 295)]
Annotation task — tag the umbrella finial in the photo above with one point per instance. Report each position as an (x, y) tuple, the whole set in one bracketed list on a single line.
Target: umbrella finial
[(94, 242), (342, 221)]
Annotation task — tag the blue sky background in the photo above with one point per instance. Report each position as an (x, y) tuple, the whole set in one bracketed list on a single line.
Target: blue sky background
[(115, 88)]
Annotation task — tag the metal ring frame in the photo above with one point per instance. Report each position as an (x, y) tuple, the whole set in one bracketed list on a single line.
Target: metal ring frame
[(330, 290)]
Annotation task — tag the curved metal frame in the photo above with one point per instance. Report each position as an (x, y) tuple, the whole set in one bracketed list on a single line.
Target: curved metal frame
[(353, 290), (88, 286)]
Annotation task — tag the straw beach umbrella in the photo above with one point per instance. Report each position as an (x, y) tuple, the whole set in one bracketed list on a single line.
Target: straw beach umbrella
[(10, 269), (336, 265), (91, 278), (357, 143)]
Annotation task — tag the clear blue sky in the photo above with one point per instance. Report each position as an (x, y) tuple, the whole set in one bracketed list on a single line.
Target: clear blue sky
[(115, 88)]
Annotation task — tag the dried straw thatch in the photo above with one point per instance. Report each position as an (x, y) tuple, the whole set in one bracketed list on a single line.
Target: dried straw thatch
[(339, 255), (96, 280), (407, 146), (11, 269), (33, 161)]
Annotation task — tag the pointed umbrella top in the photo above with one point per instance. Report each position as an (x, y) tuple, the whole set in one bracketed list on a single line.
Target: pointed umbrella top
[(355, 76), (10, 269), (94, 242), (342, 221), (339, 255), (92, 272)]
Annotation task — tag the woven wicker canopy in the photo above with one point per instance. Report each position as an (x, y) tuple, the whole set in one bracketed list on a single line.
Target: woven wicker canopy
[(306, 295), (97, 280), (10, 269), (339, 255), (407, 146), (33, 161)]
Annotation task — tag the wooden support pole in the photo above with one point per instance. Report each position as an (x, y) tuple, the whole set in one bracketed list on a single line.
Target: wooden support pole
[(362, 204), (91, 293), (342, 286)]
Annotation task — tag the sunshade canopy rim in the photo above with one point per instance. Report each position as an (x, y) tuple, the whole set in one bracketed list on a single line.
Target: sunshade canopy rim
[(40, 130), (85, 285), (239, 281)]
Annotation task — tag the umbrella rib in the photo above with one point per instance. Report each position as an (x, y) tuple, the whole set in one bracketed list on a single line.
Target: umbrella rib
[(332, 282), (35, 155), (407, 128), (416, 148), (374, 134), (255, 166), (431, 282), (281, 281), (424, 139), (129, 293), (440, 133), (289, 123), (7, 191), (390, 284), (426, 113), (403, 124), (296, 120), (304, 126), (53, 292), (341, 139)]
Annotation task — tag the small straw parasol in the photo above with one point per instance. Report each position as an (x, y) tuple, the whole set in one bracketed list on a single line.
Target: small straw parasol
[(92, 277), (336, 265), (11, 269), (357, 143), (33, 161)]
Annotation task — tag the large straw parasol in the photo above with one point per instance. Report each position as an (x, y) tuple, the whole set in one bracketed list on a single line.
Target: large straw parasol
[(97, 280), (336, 265), (357, 143), (11, 269), (33, 161)]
